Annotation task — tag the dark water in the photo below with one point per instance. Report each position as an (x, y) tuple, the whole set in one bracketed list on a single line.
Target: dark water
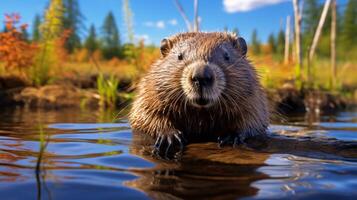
[(74, 154)]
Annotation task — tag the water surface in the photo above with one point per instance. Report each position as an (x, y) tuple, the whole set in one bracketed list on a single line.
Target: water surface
[(76, 154)]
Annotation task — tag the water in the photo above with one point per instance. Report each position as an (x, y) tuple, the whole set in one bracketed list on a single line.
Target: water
[(73, 154)]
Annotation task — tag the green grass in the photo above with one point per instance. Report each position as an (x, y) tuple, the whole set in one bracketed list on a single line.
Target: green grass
[(107, 89)]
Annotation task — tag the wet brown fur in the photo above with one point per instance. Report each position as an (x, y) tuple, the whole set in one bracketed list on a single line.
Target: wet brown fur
[(161, 106)]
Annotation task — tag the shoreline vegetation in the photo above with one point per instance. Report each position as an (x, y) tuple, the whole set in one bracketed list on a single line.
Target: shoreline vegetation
[(55, 68)]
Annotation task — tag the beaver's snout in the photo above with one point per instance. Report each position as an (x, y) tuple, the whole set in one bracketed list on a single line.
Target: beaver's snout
[(202, 83), (202, 76)]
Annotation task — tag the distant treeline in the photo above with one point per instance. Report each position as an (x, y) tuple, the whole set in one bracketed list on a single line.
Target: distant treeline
[(346, 31), (65, 15)]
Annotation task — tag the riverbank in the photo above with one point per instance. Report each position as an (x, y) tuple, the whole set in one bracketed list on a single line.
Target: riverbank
[(83, 93)]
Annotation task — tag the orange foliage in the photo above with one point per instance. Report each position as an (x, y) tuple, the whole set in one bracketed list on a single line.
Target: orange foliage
[(115, 62), (80, 55), (97, 55), (14, 51), (146, 57), (60, 44), (266, 49)]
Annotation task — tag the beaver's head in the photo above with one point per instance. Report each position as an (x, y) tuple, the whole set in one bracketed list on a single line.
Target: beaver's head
[(203, 69)]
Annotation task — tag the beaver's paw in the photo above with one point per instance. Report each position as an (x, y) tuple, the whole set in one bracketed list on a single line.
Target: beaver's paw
[(232, 140), (169, 144)]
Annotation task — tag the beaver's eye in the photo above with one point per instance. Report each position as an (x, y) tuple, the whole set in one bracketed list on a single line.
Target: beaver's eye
[(226, 56), (180, 56)]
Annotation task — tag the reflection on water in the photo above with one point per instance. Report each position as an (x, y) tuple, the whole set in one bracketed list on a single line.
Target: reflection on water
[(87, 154)]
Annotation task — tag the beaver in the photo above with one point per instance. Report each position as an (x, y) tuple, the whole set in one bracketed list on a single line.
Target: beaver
[(202, 88)]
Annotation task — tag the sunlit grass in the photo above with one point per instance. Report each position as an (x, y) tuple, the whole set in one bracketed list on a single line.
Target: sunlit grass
[(274, 74), (121, 69), (107, 89)]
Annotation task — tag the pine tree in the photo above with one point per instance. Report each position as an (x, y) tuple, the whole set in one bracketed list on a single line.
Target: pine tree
[(111, 42), (311, 15), (349, 26), (72, 20), (35, 29), (91, 42), (255, 42), (280, 43), (272, 43)]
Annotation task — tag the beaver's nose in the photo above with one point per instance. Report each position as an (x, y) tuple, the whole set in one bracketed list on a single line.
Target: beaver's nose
[(202, 77)]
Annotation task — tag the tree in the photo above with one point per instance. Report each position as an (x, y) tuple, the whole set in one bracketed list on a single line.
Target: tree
[(272, 43), (111, 41), (72, 20), (52, 26), (36, 29), (280, 43), (297, 37), (15, 52), (52, 32), (255, 42), (318, 31), (91, 42), (349, 26), (311, 15)]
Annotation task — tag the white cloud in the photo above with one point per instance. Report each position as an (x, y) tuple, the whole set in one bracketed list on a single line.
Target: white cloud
[(232, 6), (160, 24), (172, 22), (149, 24)]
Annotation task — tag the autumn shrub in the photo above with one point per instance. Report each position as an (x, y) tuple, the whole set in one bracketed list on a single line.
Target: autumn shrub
[(15, 52), (141, 56), (80, 55), (49, 59), (51, 45)]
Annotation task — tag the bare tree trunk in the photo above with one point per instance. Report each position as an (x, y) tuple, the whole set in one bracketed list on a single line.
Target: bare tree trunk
[(318, 30), (195, 8), (316, 37), (128, 18), (293, 52), (287, 40), (333, 45), (183, 14), (297, 20)]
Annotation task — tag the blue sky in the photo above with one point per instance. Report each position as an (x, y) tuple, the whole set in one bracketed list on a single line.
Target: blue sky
[(156, 19)]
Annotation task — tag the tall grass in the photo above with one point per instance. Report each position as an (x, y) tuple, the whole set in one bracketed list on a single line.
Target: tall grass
[(274, 74), (107, 89), (39, 74)]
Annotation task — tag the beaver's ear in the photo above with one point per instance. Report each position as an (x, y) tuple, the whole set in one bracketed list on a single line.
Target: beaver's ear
[(165, 46), (241, 45)]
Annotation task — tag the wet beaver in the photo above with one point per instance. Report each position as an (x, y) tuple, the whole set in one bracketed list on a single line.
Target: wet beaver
[(203, 88)]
